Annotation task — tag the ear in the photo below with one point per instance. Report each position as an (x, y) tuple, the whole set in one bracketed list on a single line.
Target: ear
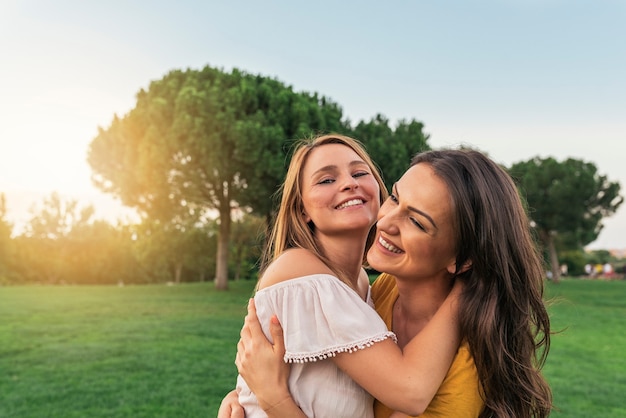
[(306, 217), (466, 266), (452, 267)]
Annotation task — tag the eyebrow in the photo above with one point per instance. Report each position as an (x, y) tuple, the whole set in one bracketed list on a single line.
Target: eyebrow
[(332, 167), (413, 209)]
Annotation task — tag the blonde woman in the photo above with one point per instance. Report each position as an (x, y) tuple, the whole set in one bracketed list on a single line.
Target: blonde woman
[(449, 202), (312, 279)]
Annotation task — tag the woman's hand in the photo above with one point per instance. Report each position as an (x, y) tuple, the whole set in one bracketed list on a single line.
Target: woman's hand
[(230, 408), (261, 363)]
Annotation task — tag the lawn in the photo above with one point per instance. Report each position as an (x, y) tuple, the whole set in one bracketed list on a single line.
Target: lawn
[(168, 351), (105, 351), (586, 367)]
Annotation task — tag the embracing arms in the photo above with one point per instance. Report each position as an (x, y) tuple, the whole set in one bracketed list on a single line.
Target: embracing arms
[(404, 380), (268, 370), (408, 379)]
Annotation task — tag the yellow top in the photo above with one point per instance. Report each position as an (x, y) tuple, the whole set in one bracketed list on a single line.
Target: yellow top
[(458, 396)]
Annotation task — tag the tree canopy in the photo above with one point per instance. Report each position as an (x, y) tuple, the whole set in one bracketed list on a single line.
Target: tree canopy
[(202, 141), (567, 200), (391, 149), (203, 147)]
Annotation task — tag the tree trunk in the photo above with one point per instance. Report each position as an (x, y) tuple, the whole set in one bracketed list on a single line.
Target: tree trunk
[(238, 257), (238, 270), (223, 238), (554, 260), (178, 271)]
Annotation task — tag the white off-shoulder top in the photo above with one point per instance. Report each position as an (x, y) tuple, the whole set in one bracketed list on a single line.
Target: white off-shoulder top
[(321, 316)]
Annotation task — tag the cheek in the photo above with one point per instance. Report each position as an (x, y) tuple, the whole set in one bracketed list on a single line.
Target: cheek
[(419, 247), (385, 208), (447, 243), (425, 249), (374, 186), (441, 252), (312, 201), (377, 208)]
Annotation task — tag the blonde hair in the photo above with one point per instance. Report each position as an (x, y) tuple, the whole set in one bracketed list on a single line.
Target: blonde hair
[(290, 229)]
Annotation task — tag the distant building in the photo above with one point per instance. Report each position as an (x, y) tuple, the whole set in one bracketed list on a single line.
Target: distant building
[(614, 252)]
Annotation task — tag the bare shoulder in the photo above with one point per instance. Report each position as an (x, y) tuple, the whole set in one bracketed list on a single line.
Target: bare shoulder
[(293, 263)]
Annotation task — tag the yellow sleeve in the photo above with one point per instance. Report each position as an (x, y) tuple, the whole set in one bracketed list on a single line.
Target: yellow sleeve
[(384, 295), (459, 394)]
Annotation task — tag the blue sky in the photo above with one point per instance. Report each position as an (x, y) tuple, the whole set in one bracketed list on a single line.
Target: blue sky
[(514, 78)]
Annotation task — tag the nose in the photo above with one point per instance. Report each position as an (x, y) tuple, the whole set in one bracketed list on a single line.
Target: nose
[(387, 219), (350, 183)]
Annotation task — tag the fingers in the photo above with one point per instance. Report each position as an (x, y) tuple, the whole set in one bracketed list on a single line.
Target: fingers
[(252, 321), (252, 332), (231, 411), (276, 330), (230, 408), (240, 353), (237, 412)]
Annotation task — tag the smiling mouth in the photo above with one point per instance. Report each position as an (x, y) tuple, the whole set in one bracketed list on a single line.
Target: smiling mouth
[(389, 246), (353, 202)]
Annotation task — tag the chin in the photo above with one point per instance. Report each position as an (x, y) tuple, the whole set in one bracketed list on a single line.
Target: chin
[(375, 263)]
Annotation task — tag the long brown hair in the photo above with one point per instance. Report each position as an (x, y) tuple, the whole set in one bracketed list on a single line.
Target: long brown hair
[(290, 230), (502, 313)]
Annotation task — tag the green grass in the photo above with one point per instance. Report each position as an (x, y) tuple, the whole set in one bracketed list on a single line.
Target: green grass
[(168, 351), (135, 351), (586, 367)]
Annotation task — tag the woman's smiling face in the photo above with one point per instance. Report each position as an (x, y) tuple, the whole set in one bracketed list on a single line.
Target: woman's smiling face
[(415, 230), (339, 191)]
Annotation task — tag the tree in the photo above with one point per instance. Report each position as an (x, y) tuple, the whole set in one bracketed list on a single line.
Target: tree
[(46, 249), (167, 251), (208, 141), (6, 244), (99, 253), (299, 116), (200, 250), (247, 243), (566, 198), (390, 149)]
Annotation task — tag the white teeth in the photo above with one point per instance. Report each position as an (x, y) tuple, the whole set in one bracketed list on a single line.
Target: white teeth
[(352, 202), (388, 246)]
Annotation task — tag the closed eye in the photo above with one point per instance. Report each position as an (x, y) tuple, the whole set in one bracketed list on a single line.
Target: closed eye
[(417, 224), (414, 221)]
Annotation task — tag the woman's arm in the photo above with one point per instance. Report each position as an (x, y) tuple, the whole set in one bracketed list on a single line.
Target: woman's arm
[(277, 402), (262, 366), (230, 407), (406, 381)]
